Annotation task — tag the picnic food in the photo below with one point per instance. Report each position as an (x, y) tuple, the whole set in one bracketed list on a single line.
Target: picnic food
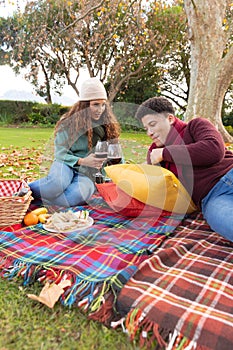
[(66, 221), (43, 218), (30, 219), (35, 216), (39, 211)]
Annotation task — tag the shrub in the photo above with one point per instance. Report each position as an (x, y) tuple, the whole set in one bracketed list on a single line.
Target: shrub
[(6, 119), (21, 112), (125, 113), (229, 128), (46, 114), (228, 119), (17, 110)]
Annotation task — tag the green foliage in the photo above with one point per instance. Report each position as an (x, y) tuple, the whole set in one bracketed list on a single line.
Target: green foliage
[(21, 112), (138, 90), (125, 115), (229, 128), (227, 117), (17, 111), (26, 113), (38, 114), (6, 119), (46, 114), (118, 41), (7, 39)]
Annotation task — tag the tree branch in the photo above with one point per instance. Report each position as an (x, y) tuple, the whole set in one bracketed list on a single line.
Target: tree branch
[(107, 38), (194, 5), (81, 17)]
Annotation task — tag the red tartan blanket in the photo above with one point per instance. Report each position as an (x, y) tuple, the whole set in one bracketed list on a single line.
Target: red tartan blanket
[(180, 281), (182, 296), (96, 260)]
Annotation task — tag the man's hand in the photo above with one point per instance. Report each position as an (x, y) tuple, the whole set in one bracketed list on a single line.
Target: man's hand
[(156, 156)]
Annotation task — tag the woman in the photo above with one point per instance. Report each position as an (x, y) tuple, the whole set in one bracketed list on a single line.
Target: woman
[(70, 181)]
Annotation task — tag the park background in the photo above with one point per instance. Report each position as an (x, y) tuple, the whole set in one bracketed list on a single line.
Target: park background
[(178, 49)]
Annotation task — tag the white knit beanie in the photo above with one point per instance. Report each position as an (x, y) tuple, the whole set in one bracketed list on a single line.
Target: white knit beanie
[(92, 89)]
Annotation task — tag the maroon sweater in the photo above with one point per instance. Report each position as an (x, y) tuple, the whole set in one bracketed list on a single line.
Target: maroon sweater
[(195, 152)]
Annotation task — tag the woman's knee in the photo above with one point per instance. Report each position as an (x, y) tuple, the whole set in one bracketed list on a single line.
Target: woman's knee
[(78, 192), (35, 188), (83, 192), (54, 184)]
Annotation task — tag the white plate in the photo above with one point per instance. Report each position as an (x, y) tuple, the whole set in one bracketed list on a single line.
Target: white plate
[(79, 227)]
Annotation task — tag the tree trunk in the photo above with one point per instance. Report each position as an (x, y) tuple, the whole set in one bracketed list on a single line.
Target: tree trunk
[(48, 97), (211, 68)]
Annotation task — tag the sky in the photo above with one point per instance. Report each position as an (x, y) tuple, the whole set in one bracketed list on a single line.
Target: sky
[(14, 87), (7, 7)]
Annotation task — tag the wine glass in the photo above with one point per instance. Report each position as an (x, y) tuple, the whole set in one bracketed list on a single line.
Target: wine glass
[(101, 151), (114, 154)]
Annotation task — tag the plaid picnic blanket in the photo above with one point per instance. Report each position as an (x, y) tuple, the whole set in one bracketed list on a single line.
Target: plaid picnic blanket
[(182, 296), (95, 260)]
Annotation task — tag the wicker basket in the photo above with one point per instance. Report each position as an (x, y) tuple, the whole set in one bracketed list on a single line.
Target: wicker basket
[(12, 207)]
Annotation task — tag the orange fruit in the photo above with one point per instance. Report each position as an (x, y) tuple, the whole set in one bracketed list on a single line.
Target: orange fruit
[(31, 219)]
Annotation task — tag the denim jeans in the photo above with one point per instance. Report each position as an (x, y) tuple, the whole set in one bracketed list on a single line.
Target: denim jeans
[(63, 186), (217, 206)]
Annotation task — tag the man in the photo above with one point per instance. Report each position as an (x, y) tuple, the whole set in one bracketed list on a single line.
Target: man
[(195, 152)]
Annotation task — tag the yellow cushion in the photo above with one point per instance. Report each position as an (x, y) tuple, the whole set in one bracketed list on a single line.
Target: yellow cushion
[(152, 185)]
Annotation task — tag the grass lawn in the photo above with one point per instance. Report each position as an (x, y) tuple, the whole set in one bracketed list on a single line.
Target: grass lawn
[(24, 137), (28, 152), (28, 325)]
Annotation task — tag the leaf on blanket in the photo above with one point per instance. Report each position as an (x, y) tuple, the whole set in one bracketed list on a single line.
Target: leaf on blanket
[(50, 293)]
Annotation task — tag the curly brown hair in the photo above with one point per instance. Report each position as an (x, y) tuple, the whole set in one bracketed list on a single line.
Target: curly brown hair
[(79, 118)]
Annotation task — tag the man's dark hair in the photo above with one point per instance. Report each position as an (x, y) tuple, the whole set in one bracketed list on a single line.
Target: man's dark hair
[(154, 105)]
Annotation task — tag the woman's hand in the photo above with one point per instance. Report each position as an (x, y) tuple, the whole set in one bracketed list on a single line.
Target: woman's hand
[(156, 156), (92, 161)]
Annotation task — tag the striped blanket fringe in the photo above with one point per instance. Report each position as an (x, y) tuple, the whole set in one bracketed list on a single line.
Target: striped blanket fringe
[(89, 296), (149, 333), (97, 261)]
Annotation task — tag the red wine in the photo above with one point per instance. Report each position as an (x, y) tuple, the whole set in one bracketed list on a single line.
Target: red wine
[(101, 155), (113, 161)]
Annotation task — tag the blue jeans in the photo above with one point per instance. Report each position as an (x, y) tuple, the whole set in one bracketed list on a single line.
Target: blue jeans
[(63, 186), (217, 206)]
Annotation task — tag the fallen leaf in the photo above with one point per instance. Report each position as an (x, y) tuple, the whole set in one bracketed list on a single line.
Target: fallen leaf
[(50, 293)]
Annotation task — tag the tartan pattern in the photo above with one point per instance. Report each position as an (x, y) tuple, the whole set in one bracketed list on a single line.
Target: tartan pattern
[(108, 252), (186, 288)]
